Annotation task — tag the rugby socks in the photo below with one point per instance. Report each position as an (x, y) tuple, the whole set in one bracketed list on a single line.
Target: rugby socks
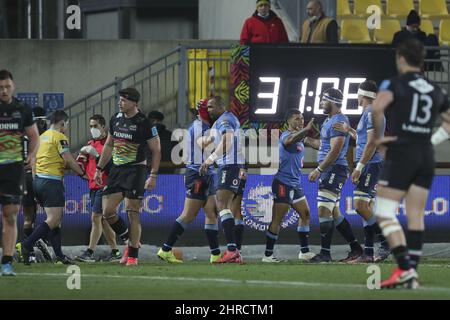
[(303, 236), (175, 233), (271, 238), (369, 234), (7, 259), (212, 234), (238, 231), (227, 219), (133, 252), (345, 230), (121, 229), (40, 232), (401, 256), (55, 240), (326, 234), (383, 242), (415, 241)]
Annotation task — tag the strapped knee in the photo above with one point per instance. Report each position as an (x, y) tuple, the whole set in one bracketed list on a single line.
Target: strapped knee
[(326, 199), (385, 211), (110, 217)]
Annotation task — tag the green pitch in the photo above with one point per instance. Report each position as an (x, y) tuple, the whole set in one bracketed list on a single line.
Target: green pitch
[(199, 280)]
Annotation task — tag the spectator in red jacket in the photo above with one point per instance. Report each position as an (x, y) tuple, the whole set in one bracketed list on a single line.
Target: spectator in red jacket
[(88, 158), (263, 26)]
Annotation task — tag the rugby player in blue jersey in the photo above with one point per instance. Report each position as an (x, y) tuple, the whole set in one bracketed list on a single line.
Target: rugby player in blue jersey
[(225, 134), (332, 173), (286, 186), (200, 191), (365, 175)]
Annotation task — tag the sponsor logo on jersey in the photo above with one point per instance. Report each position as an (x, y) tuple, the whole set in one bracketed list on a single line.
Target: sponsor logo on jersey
[(123, 135), (9, 126), (421, 85), (16, 115)]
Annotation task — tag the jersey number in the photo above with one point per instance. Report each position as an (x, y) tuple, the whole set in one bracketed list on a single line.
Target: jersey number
[(425, 109)]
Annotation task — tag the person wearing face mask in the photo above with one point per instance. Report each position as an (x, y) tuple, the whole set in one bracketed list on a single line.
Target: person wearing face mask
[(318, 28), (88, 158), (264, 26), (52, 158)]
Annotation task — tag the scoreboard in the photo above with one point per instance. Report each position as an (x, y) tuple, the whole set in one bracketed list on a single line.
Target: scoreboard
[(294, 76)]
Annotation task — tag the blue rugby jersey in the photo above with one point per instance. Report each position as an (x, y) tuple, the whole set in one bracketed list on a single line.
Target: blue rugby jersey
[(228, 122), (365, 124), (291, 161), (327, 133)]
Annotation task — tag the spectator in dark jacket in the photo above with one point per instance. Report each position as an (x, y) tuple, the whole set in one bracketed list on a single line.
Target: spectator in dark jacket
[(264, 26), (156, 119), (412, 30)]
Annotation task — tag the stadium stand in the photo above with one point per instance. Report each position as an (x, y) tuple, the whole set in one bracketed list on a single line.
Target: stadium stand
[(360, 7), (343, 9), (399, 8), (355, 31), (385, 34), (433, 9), (444, 32), (427, 26)]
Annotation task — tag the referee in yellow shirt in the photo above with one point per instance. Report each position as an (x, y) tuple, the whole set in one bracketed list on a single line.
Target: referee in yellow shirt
[(51, 159)]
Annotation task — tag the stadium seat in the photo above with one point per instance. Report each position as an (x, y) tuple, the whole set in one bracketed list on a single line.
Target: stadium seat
[(386, 33), (355, 31), (399, 8), (433, 9), (444, 32), (343, 9), (360, 7), (427, 26)]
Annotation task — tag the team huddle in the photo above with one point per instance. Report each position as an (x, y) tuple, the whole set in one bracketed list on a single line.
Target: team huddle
[(389, 169)]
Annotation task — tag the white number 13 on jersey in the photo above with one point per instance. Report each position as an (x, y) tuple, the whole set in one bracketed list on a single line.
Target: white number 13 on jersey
[(426, 109)]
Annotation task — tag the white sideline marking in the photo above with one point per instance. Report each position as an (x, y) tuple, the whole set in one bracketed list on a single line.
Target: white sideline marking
[(232, 281)]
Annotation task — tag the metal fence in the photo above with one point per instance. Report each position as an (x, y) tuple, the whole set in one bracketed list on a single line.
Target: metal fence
[(173, 83), (158, 83)]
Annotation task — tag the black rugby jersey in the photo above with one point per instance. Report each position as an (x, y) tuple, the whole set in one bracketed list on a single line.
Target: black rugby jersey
[(130, 136), (417, 102), (14, 118)]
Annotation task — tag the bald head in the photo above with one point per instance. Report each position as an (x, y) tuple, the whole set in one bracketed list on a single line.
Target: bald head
[(314, 8)]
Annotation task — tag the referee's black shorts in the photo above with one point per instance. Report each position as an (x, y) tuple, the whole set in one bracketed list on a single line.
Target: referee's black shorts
[(408, 164)]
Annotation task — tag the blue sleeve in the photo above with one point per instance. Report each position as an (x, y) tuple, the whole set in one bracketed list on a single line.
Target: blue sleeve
[(335, 133), (385, 85), (224, 126), (369, 121)]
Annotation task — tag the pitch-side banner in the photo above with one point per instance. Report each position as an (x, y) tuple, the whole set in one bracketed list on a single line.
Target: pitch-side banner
[(163, 205)]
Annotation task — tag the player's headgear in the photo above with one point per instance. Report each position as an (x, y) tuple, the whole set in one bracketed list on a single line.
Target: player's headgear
[(130, 94), (333, 95), (40, 118), (202, 109), (368, 89)]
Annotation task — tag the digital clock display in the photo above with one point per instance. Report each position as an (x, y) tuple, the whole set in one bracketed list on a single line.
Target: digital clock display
[(294, 76)]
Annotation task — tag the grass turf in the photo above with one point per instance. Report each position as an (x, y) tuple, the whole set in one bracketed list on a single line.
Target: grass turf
[(199, 280)]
